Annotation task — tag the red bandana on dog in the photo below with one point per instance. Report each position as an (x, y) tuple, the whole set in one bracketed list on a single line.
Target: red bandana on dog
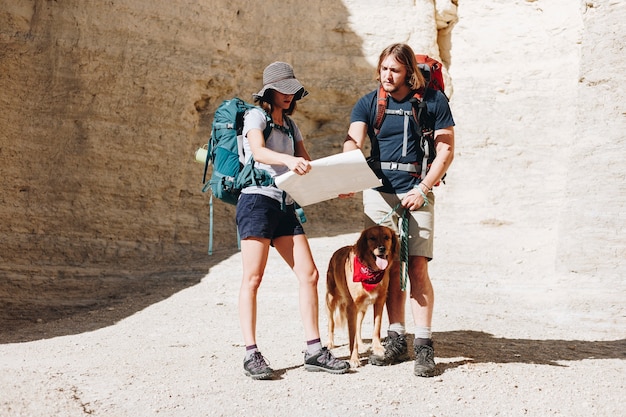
[(366, 275)]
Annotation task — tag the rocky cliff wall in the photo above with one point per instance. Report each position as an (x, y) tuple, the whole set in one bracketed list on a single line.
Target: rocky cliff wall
[(592, 224), (104, 103)]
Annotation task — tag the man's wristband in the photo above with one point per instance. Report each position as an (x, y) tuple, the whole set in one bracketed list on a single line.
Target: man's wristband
[(426, 202), (428, 189)]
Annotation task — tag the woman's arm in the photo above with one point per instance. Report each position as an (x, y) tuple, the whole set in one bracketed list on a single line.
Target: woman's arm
[(298, 164)]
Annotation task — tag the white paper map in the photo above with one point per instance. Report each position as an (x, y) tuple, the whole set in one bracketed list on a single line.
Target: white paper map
[(342, 173)]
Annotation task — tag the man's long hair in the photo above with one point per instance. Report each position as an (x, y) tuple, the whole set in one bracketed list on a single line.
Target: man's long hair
[(405, 56)]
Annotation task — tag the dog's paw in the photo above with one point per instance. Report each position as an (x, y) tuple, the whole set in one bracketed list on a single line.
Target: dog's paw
[(355, 363), (378, 350)]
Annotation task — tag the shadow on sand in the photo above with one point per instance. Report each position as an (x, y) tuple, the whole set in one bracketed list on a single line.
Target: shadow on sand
[(469, 346)]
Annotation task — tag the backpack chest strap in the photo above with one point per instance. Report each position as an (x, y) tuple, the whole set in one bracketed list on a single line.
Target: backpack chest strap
[(394, 166), (407, 114), (398, 166)]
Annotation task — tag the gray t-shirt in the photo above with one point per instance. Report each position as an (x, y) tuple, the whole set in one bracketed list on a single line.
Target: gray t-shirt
[(278, 141)]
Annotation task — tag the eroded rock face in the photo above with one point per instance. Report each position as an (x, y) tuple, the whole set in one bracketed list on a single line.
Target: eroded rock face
[(105, 103)]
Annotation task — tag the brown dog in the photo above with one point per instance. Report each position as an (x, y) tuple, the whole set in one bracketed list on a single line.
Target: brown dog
[(357, 277)]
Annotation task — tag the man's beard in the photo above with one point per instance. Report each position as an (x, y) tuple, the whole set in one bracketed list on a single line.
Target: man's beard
[(390, 88)]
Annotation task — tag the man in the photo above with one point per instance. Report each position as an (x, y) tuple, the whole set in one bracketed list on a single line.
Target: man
[(397, 154)]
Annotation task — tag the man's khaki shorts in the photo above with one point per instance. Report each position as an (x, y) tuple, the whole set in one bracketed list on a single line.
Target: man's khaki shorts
[(377, 207)]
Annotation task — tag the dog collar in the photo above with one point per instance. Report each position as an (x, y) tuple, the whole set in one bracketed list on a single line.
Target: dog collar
[(366, 275)]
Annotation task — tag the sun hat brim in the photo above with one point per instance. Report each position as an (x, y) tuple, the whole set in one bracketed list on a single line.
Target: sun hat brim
[(287, 86)]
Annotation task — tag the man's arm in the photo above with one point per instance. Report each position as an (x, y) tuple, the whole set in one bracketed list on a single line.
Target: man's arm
[(444, 144), (357, 133)]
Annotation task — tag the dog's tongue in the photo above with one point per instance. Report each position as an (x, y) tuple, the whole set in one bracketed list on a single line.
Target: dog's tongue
[(381, 263)]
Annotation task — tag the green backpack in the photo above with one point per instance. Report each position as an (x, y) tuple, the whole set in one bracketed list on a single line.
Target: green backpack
[(225, 154)]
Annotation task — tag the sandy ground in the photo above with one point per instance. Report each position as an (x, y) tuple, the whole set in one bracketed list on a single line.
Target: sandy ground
[(503, 348), (513, 336)]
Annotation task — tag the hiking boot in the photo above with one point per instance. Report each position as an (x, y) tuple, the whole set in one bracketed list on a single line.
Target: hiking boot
[(256, 367), (396, 351), (424, 360), (325, 361)]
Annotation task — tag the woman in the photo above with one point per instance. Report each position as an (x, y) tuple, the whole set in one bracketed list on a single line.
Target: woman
[(265, 216)]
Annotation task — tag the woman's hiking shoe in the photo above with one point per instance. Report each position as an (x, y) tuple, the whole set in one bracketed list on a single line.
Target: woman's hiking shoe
[(396, 351), (256, 367), (424, 360), (325, 361)]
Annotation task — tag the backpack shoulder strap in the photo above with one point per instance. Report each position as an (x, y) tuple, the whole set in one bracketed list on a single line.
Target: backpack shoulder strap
[(268, 121), (419, 106), (381, 106), (290, 129), (266, 132), (268, 124)]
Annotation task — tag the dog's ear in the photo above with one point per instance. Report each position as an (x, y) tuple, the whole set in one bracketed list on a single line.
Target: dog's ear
[(395, 249), (362, 245)]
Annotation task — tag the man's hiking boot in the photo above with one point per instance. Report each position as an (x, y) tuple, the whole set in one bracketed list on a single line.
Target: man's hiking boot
[(396, 351), (424, 360), (256, 367), (325, 361)]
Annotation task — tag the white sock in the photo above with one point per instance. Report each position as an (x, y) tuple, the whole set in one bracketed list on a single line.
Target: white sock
[(397, 327), (250, 350), (313, 346), (423, 332)]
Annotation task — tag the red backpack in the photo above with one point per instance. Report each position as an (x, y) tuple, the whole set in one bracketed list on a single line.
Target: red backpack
[(432, 71)]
